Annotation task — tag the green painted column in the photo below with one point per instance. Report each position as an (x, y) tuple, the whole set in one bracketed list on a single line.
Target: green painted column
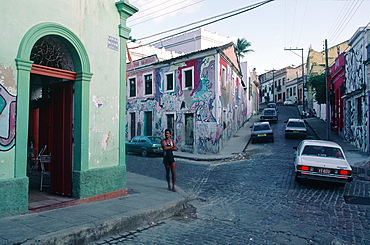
[(126, 10), (81, 127), (23, 78)]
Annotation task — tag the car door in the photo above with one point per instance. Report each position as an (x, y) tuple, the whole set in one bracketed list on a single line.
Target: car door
[(132, 145)]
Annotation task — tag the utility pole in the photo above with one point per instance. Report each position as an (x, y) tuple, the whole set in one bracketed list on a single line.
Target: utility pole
[(303, 81), (328, 136)]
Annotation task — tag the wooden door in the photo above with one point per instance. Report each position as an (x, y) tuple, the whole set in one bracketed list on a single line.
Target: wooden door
[(62, 140)]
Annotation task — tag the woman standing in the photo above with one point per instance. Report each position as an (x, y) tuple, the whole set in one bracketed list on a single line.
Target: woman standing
[(169, 146)]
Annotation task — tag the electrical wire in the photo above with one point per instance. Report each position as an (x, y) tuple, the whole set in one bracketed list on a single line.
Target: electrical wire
[(169, 12), (245, 9), (335, 38), (345, 21)]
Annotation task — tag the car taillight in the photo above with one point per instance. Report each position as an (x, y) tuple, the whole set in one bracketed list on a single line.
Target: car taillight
[(304, 168), (345, 172)]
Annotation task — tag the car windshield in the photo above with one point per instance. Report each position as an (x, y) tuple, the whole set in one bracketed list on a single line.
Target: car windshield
[(296, 124), (271, 105), (155, 140), (269, 112), (261, 127), (322, 151)]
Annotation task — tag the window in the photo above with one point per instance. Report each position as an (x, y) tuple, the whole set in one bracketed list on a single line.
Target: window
[(171, 123), (169, 81), (132, 84), (223, 77), (148, 84), (187, 76)]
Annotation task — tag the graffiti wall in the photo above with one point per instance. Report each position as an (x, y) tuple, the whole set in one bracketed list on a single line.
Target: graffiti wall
[(217, 110), (356, 115), (7, 108)]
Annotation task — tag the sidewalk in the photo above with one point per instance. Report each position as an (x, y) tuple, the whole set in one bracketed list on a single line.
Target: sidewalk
[(236, 144), (148, 201), (358, 160)]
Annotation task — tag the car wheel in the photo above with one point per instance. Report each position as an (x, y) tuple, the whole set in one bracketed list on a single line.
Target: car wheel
[(272, 140), (144, 153)]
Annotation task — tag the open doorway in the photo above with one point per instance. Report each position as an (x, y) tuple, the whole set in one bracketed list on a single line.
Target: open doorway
[(50, 125), (50, 139)]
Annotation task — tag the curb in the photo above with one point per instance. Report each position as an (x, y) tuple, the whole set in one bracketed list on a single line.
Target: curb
[(96, 231), (355, 169)]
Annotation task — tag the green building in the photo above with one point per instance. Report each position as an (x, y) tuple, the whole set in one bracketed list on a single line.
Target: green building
[(62, 89)]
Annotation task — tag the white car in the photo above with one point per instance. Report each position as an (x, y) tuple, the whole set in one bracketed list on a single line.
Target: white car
[(295, 128), (288, 102), (321, 160)]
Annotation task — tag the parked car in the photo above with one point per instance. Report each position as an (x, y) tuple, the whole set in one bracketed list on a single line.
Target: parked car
[(145, 145), (288, 102), (262, 131), (280, 102), (295, 128), (269, 114), (321, 160), (272, 105)]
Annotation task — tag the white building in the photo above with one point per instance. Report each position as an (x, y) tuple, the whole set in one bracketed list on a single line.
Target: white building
[(192, 41)]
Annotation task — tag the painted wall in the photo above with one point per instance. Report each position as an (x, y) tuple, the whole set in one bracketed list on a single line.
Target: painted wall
[(356, 114), (218, 109), (96, 39)]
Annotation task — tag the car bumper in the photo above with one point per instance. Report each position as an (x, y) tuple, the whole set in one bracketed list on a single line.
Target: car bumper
[(268, 118), (295, 135), (262, 138), (322, 177)]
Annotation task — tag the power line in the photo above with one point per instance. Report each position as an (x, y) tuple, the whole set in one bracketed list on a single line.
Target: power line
[(347, 22), (170, 12), (241, 10)]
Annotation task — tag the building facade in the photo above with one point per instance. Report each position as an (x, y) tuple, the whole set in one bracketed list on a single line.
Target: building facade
[(192, 41), (356, 96), (61, 89), (337, 85), (200, 96)]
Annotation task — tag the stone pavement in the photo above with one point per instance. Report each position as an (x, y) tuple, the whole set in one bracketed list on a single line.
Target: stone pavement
[(147, 202)]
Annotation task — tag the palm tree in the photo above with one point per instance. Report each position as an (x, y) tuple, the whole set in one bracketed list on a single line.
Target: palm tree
[(242, 46)]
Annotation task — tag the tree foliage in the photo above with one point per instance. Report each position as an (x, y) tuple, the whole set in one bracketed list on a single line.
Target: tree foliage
[(242, 47), (318, 83)]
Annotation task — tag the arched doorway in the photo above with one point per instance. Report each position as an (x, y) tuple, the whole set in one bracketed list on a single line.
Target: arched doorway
[(64, 85), (51, 113)]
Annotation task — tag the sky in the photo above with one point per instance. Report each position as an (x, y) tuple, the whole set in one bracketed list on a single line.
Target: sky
[(270, 28)]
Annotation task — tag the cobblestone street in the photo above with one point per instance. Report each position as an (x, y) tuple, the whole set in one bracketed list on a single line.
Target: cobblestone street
[(255, 201)]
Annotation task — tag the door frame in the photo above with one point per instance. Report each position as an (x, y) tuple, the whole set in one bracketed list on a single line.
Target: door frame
[(82, 89)]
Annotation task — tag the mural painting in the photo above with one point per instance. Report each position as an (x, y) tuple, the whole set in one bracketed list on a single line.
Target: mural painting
[(7, 109), (217, 115), (356, 118)]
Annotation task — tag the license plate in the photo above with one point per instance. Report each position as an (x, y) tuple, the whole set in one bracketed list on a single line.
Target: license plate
[(296, 132), (324, 171), (261, 135)]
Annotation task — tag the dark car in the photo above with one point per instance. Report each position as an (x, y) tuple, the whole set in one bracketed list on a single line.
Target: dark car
[(269, 114), (145, 145), (262, 131), (272, 105)]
